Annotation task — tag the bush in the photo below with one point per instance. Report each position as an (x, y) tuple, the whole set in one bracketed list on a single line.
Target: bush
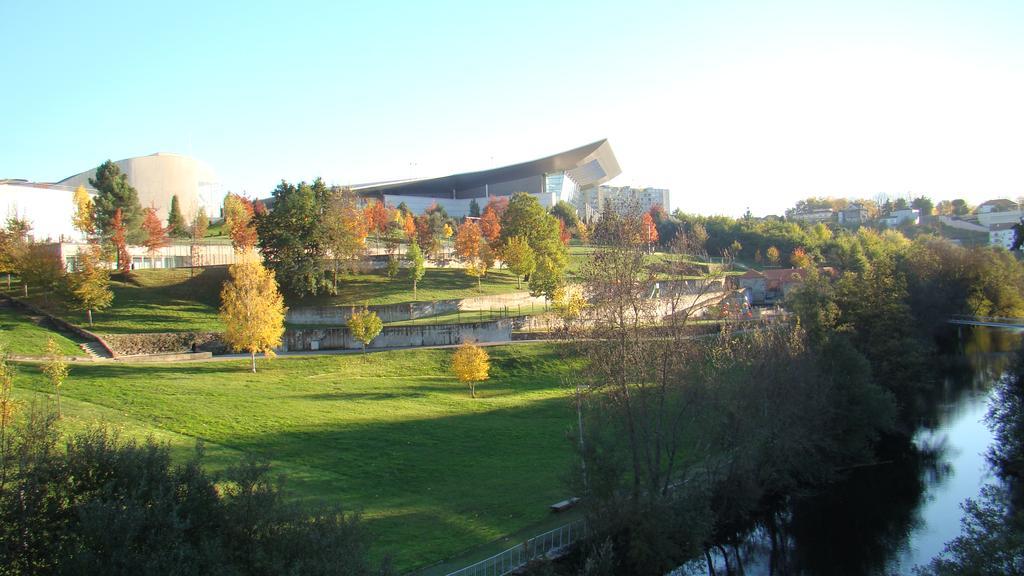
[(109, 505)]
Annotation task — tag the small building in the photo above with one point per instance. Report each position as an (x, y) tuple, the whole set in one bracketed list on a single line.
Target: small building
[(816, 215), (1002, 234), (175, 255), (997, 205), (853, 215), (903, 216), (1000, 211), (771, 286)]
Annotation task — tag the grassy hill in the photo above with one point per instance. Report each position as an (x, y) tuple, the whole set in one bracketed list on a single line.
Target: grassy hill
[(392, 434), (24, 336)]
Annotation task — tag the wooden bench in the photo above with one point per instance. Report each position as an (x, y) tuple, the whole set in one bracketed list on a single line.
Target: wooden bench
[(564, 504)]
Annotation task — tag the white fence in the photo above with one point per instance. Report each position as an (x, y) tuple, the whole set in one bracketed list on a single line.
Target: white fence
[(534, 548)]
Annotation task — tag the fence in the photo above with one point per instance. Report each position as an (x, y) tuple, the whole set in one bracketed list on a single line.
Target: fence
[(534, 548)]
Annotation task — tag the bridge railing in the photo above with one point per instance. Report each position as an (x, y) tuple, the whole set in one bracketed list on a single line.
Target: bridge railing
[(988, 319), (518, 556)]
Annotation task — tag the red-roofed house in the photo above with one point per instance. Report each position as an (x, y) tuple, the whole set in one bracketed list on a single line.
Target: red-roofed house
[(771, 285)]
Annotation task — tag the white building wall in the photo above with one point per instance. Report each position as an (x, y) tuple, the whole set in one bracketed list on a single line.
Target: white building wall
[(48, 209)]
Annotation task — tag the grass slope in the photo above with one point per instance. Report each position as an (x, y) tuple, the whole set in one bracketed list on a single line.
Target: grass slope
[(434, 471), (437, 284), (24, 336)]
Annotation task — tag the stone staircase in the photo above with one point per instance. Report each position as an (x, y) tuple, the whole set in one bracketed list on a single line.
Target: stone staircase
[(95, 351)]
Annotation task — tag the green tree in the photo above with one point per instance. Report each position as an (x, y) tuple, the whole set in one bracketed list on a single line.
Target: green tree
[(924, 204), (364, 325), (291, 237), (566, 213), (474, 208), (176, 226), (416, 268), (519, 258), (960, 207), (113, 193), (525, 217)]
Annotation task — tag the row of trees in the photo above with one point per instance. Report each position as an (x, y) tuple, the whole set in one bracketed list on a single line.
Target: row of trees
[(685, 438)]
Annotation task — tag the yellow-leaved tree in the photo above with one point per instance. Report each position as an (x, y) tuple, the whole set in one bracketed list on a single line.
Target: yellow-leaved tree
[(471, 364), (84, 218), (252, 309), (364, 325), (55, 368)]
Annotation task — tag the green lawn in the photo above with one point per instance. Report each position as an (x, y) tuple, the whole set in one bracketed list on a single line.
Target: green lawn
[(174, 300), (434, 471), (24, 336), (437, 284)]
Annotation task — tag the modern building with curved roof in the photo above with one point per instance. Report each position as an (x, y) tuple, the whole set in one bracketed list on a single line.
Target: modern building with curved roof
[(160, 176), (553, 178)]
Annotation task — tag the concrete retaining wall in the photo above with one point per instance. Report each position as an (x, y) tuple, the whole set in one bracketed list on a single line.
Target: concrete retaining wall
[(338, 315), (302, 339)]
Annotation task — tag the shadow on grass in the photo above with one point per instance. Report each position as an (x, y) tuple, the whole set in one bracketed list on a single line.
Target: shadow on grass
[(465, 479)]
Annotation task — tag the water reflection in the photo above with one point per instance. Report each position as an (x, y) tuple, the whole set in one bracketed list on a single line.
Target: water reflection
[(887, 518)]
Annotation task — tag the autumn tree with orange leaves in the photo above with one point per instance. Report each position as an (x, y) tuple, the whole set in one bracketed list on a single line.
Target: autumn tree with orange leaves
[(156, 234), (376, 215), (490, 225), (649, 230), (238, 217), (467, 241)]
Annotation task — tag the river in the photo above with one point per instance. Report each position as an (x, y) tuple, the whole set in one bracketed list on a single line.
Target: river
[(890, 517)]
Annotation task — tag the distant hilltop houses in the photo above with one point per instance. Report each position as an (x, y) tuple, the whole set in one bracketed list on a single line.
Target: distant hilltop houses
[(994, 218)]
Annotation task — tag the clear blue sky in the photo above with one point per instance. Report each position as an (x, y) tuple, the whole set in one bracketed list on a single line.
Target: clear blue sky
[(729, 104)]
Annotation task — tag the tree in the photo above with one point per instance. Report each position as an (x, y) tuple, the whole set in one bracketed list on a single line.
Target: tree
[(416, 264), (252, 309), (84, 219), (527, 218), (519, 258), (41, 267), (569, 303), (1018, 235), (376, 218), (55, 368), (924, 204), (467, 241), (13, 245), (238, 218), (292, 237), (176, 225), (119, 237), (477, 269), (90, 282), (490, 225), (471, 364), (474, 208), (364, 325), (566, 213), (649, 232), (115, 193), (735, 247), (772, 253), (344, 229), (200, 224), (799, 258), (156, 234), (960, 207)]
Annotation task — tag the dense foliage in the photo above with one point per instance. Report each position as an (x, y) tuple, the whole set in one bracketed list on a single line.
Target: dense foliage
[(96, 503)]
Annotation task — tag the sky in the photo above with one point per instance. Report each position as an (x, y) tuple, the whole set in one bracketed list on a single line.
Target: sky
[(730, 105)]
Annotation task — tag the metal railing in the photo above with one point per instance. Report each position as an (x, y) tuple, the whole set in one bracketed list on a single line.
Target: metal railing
[(967, 318), (532, 549)]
